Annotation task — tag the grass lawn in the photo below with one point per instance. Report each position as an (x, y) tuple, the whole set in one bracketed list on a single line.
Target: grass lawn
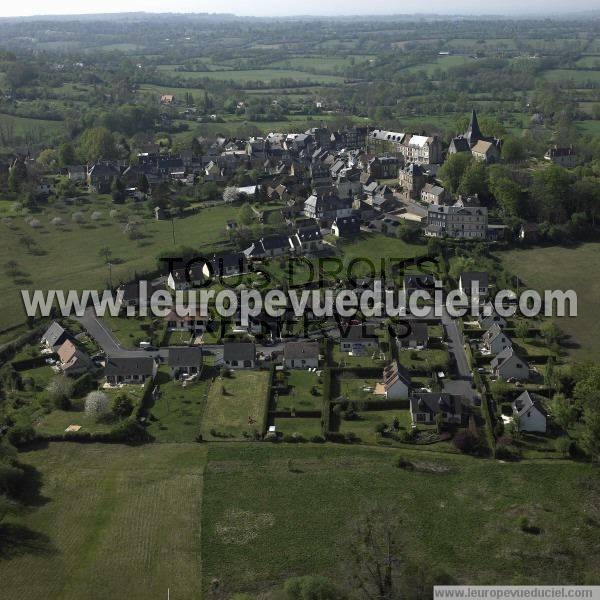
[(372, 357), (263, 521), (358, 390), (307, 428), (109, 521), (69, 258), (364, 427), (228, 413), (300, 396), (130, 330), (423, 360), (264, 75), (555, 268), (177, 413)]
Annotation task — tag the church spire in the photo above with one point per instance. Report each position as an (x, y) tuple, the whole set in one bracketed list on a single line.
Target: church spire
[(473, 132)]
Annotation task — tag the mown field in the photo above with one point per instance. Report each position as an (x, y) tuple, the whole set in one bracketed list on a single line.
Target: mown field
[(275, 512), (109, 522), (113, 521), (68, 258), (576, 268)]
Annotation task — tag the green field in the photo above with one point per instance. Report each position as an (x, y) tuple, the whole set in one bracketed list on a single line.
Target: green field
[(69, 258), (265, 518), (264, 75), (235, 405), (563, 268), (571, 74), (109, 522)]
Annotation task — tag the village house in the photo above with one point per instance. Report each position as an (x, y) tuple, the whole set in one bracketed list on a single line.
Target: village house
[(488, 316), (396, 382), (412, 180), (225, 264), (269, 246), (486, 152), (184, 360), (186, 277), (195, 323), (301, 355), (412, 334), (101, 175), (495, 340), (72, 360), (327, 207), (474, 281), (54, 336), (308, 239), (77, 173), (564, 157), (239, 355), (418, 281), (433, 194), (508, 365), (129, 369), (384, 167), (457, 222), (529, 232), (530, 413), (358, 339), (346, 226), (424, 407)]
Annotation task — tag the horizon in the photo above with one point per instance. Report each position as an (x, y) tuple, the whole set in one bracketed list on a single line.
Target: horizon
[(314, 9)]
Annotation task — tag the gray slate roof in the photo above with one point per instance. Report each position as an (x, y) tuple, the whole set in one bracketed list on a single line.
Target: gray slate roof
[(185, 356)]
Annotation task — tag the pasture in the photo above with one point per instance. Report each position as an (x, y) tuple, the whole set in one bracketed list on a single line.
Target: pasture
[(271, 512), (107, 522), (564, 268), (68, 257)]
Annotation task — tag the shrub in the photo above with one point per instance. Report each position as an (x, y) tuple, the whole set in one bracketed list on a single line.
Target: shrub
[(21, 433), (402, 463), (467, 442), (311, 587), (317, 439), (60, 392), (294, 438), (122, 405)]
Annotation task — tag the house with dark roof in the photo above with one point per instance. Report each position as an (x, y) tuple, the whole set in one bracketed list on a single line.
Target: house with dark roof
[(195, 323), (508, 365), (184, 360), (269, 246), (478, 281), (412, 334), (481, 147), (488, 316), (225, 264), (418, 281), (358, 339), (346, 226), (308, 239), (530, 412), (433, 194), (424, 407), (101, 175), (563, 156), (54, 336), (239, 355), (301, 355), (129, 369)]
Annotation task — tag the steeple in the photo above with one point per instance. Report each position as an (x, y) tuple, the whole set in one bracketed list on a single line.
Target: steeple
[(473, 132)]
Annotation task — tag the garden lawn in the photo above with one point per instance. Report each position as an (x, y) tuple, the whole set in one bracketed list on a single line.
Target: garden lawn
[(307, 428), (110, 521), (236, 405), (300, 396), (364, 426), (177, 413)]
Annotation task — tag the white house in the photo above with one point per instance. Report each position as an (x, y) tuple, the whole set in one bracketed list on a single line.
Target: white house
[(239, 355), (396, 383), (508, 365), (531, 414), (495, 340), (130, 369)]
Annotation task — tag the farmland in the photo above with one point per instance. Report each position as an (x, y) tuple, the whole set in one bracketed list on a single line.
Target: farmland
[(109, 521), (565, 268)]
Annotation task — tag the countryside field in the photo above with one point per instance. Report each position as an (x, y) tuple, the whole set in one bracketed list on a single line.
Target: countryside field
[(564, 268), (109, 522), (68, 257)]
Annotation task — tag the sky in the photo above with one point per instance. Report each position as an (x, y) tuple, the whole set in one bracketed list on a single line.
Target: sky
[(302, 7)]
